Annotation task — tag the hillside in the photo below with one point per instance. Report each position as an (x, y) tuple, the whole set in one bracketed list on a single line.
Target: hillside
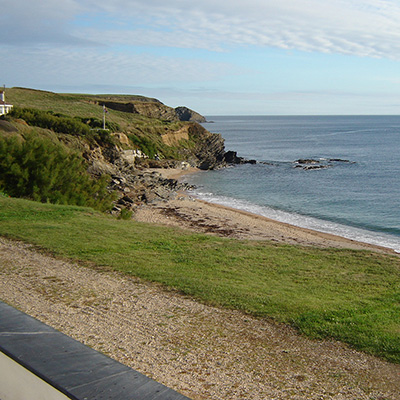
[(147, 106), (147, 123), (140, 133)]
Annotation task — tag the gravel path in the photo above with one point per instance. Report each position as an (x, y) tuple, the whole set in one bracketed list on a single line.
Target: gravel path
[(198, 350)]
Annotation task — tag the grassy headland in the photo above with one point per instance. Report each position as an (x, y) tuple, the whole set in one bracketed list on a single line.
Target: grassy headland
[(352, 296), (144, 132)]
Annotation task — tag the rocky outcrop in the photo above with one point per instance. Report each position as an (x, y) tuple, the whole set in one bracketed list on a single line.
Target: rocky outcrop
[(155, 109), (231, 157), (209, 151), (143, 187), (186, 114), (131, 176)]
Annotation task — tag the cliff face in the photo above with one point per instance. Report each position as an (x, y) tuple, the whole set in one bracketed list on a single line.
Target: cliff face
[(210, 147), (155, 109)]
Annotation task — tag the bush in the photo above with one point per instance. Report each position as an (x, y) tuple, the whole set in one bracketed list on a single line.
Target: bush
[(48, 120), (38, 169), (146, 145), (125, 214), (103, 137)]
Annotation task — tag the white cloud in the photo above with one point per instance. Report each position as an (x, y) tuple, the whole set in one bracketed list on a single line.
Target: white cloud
[(89, 67), (153, 43), (38, 22), (359, 27)]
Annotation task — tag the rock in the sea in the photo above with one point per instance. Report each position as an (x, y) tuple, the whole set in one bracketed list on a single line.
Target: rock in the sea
[(322, 163), (307, 161), (231, 157)]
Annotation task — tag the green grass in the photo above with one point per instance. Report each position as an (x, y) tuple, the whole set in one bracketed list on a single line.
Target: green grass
[(352, 296), (85, 106)]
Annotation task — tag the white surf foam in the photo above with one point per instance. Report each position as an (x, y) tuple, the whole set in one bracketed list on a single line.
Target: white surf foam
[(348, 232)]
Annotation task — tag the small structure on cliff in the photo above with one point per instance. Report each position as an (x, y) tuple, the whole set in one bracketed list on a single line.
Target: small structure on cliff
[(4, 107)]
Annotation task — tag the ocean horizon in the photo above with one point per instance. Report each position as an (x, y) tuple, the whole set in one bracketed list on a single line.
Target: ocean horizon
[(334, 174)]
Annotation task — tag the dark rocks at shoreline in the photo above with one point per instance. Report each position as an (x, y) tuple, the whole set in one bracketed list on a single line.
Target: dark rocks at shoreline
[(144, 187), (231, 157), (210, 151)]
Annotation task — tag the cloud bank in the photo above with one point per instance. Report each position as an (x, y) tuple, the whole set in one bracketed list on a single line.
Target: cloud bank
[(261, 50), (358, 27)]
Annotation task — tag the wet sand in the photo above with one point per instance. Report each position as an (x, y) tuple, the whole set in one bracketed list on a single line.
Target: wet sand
[(190, 213)]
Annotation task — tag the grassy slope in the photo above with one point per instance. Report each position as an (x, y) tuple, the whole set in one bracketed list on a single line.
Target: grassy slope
[(83, 105), (352, 296)]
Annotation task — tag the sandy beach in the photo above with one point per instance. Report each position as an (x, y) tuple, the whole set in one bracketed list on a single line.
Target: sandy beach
[(200, 216)]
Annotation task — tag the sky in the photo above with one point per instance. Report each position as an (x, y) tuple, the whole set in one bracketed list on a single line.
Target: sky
[(218, 57)]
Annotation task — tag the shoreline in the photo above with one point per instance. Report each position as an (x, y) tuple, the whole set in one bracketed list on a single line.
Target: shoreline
[(202, 216)]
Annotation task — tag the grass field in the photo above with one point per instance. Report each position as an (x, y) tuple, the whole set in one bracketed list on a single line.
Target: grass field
[(352, 296)]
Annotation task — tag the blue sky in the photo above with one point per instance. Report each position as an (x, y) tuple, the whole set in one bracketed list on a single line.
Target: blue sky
[(218, 57)]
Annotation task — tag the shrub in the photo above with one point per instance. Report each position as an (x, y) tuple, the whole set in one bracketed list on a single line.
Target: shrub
[(38, 169), (125, 214), (48, 120), (146, 145)]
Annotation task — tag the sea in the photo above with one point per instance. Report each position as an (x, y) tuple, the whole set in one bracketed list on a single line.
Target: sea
[(334, 174)]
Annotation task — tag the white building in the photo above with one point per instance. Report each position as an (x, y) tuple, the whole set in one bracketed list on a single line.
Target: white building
[(4, 107)]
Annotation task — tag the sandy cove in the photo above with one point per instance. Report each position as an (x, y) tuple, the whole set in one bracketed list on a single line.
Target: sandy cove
[(201, 216)]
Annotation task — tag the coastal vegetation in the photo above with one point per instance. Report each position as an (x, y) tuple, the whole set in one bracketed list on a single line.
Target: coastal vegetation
[(65, 148), (81, 115), (42, 170), (348, 295)]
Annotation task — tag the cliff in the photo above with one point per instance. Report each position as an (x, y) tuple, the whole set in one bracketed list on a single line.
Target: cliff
[(155, 109), (140, 133)]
